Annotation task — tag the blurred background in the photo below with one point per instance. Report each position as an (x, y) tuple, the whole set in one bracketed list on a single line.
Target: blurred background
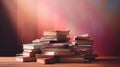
[(22, 21)]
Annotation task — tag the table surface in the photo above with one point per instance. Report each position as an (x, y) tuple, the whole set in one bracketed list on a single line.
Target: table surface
[(100, 62)]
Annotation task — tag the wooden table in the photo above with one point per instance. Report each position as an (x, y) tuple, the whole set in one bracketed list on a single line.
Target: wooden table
[(100, 62)]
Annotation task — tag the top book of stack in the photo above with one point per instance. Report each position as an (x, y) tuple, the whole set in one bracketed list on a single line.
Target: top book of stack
[(55, 33), (82, 37)]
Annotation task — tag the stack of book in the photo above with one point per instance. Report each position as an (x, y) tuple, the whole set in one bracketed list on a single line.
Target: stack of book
[(53, 37), (83, 47), (53, 52), (54, 47), (29, 52)]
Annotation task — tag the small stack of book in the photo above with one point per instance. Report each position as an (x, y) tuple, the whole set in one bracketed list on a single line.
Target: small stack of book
[(53, 52), (83, 47), (53, 37), (29, 52)]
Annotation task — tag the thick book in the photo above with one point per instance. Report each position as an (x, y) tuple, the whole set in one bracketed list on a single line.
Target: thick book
[(46, 60), (56, 49), (56, 46), (54, 39), (83, 36), (32, 50), (32, 46), (54, 33), (58, 53), (56, 36), (73, 59), (44, 56), (78, 42), (25, 59), (85, 45), (59, 44), (39, 41), (30, 54)]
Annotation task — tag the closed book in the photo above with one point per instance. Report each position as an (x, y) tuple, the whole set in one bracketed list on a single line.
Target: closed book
[(55, 46), (32, 46), (59, 44), (85, 51), (54, 33), (46, 60), (83, 36), (60, 41), (81, 49), (78, 42), (32, 50), (54, 36), (25, 59), (85, 45), (56, 49), (30, 54), (44, 56), (58, 53), (72, 59)]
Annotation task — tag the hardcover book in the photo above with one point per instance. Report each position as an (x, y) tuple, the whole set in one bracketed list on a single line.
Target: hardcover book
[(25, 59)]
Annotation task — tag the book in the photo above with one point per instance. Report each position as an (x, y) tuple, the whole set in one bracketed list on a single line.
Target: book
[(32, 46), (44, 56), (46, 60), (78, 42), (57, 53), (25, 59), (54, 33), (83, 36), (30, 54), (55, 46), (72, 59), (85, 45), (39, 41), (32, 50), (56, 49), (54, 36), (59, 44), (54, 39)]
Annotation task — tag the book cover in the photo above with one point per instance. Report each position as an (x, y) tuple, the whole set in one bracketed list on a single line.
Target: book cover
[(46, 60), (25, 59), (30, 54), (32, 46), (44, 56), (54, 33), (72, 59), (32, 50)]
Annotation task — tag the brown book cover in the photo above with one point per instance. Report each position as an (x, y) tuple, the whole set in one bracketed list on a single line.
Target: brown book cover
[(46, 60), (83, 50), (58, 53), (32, 50), (32, 46), (30, 54), (55, 37), (44, 56), (85, 42), (54, 33), (56, 49), (25, 59), (55, 46), (72, 59)]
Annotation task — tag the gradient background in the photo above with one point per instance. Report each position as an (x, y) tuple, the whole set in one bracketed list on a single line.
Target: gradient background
[(21, 21)]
